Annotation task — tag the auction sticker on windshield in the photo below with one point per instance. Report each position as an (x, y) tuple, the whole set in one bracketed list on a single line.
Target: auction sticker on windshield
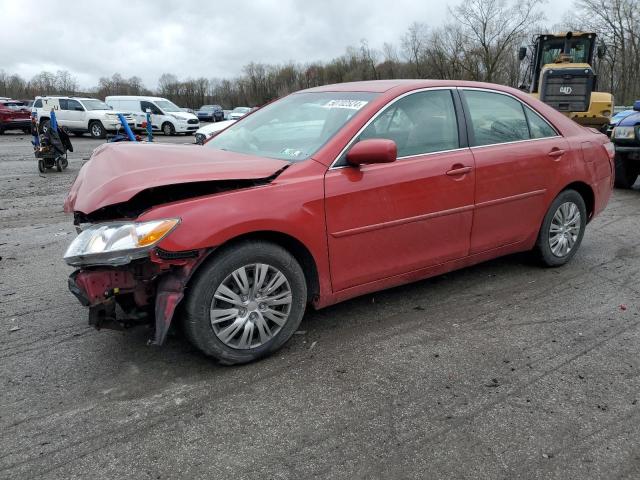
[(344, 103)]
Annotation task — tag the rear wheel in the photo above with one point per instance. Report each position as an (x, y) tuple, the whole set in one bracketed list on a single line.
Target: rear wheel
[(627, 171), (168, 129), (96, 129), (246, 303), (562, 229), (41, 167)]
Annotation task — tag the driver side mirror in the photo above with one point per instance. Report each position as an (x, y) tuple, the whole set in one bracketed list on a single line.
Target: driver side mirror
[(522, 53), (374, 150)]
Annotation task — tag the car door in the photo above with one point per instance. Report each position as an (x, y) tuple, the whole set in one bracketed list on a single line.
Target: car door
[(74, 115), (156, 114), (389, 219), (517, 156)]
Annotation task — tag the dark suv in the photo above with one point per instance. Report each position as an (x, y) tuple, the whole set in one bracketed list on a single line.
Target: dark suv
[(626, 137), (210, 113)]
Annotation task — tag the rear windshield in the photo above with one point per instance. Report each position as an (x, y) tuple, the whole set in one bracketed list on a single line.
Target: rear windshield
[(292, 128)]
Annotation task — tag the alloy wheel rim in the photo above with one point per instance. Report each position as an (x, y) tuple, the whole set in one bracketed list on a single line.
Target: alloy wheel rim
[(95, 129), (564, 229), (250, 306)]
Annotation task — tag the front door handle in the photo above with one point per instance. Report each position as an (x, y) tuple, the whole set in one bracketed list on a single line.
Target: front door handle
[(556, 153), (458, 170)]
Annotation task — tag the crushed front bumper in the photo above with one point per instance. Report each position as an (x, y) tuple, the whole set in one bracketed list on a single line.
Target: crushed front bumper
[(147, 291)]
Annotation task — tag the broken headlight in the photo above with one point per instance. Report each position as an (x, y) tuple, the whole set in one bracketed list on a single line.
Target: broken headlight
[(117, 243)]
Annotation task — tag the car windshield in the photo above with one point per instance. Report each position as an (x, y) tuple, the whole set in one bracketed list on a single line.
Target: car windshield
[(95, 105), (168, 106), (579, 50), (293, 128), (208, 107)]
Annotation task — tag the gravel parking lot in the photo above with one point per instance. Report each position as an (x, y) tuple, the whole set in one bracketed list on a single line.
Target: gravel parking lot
[(503, 370)]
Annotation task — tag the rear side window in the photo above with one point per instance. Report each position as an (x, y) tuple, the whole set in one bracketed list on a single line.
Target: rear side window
[(419, 123), (538, 127), (495, 118), (63, 104)]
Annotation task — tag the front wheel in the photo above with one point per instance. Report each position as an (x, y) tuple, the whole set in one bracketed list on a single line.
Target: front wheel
[(168, 129), (246, 302), (96, 129), (562, 229), (626, 171)]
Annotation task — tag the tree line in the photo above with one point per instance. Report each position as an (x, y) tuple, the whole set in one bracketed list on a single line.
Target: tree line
[(479, 42)]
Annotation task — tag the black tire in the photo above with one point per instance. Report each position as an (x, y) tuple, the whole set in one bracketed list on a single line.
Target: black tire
[(626, 171), (197, 321), (96, 129), (168, 129), (543, 248), (59, 164), (41, 168), (1, 131), (44, 125)]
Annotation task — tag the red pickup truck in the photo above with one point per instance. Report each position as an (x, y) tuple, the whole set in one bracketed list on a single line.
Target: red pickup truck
[(14, 115)]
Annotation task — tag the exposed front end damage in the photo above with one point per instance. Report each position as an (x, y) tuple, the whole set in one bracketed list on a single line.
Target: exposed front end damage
[(144, 292)]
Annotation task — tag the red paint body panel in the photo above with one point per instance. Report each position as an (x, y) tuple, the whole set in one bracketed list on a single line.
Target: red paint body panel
[(386, 219), (371, 227)]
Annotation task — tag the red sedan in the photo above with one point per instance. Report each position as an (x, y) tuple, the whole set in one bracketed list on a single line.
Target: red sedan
[(324, 195)]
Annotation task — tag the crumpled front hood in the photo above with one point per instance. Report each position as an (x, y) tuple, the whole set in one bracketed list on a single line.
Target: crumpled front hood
[(117, 172)]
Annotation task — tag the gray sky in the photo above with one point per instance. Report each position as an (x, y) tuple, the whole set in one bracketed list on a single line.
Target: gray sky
[(197, 38)]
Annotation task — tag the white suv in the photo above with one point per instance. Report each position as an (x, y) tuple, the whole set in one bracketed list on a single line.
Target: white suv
[(79, 115)]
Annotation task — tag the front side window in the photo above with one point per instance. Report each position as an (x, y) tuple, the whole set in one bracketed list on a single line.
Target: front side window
[(73, 105), (292, 128), (495, 118), (419, 123), (150, 106)]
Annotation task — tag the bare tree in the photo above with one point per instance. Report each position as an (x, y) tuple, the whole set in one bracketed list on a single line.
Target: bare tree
[(492, 29)]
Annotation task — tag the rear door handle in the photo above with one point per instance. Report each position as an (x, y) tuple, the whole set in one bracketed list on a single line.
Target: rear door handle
[(459, 171), (556, 153)]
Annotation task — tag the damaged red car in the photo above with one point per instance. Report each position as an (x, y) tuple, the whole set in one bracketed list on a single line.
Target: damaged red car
[(324, 195)]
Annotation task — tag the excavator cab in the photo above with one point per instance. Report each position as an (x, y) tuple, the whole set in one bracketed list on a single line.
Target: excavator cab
[(561, 74)]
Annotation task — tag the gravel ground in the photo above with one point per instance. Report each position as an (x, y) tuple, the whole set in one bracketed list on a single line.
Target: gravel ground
[(503, 370)]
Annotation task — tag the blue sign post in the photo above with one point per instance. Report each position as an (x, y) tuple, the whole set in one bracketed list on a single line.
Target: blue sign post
[(149, 127)]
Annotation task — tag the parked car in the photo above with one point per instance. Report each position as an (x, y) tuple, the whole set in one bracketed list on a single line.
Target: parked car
[(238, 113), (14, 116), (210, 113), (324, 195), (211, 129), (616, 119), (226, 114), (626, 136), (79, 115), (166, 116)]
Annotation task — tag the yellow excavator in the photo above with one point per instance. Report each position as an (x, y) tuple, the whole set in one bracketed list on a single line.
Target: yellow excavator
[(561, 74)]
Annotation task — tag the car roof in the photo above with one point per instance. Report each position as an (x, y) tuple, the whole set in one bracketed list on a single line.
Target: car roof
[(381, 86)]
